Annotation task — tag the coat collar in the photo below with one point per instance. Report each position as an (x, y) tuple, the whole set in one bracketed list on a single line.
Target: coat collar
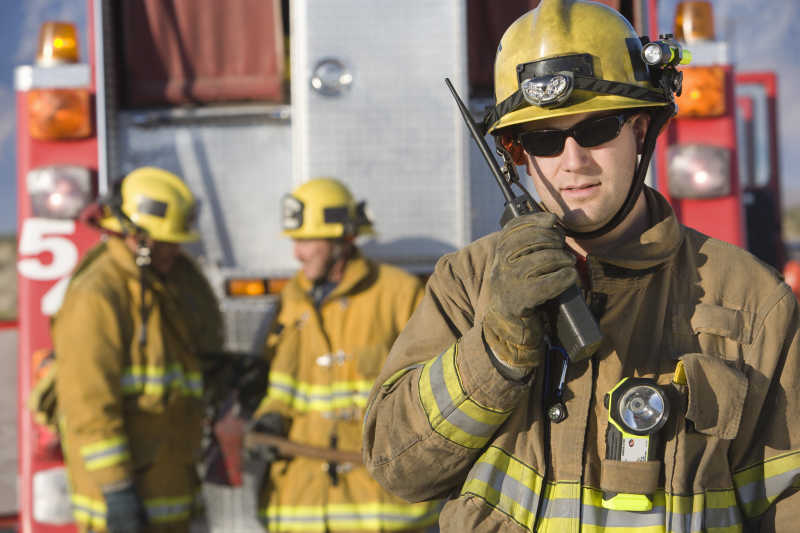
[(653, 247), (357, 269), (123, 257)]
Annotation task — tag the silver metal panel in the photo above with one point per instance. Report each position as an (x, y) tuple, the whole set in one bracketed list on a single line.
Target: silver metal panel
[(247, 322), (238, 165), (395, 135)]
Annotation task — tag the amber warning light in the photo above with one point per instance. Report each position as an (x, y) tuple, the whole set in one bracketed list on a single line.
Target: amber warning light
[(694, 21), (58, 43), (58, 113)]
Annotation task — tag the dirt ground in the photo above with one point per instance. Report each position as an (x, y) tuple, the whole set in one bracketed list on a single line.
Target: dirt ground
[(8, 278)]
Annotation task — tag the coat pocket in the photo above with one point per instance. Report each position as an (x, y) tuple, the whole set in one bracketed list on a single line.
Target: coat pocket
[(710, 396), (716, 395)]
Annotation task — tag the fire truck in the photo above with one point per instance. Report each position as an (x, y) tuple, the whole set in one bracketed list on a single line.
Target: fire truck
[(245, 99)]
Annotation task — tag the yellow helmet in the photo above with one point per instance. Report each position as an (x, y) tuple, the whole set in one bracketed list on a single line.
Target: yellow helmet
[(157, 202), (323, 208), (567, 57)]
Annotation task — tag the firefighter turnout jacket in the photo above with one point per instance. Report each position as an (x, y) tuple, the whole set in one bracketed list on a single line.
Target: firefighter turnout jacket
[(132, 410), (324, 362), (443, 421)]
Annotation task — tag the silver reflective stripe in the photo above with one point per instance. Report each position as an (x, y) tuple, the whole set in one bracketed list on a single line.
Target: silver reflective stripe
[(166, 511), (505, 484), (96, 513), (563, 508), (598, 516), (116, 450), (310, 398), (767, 489), (447, 407)]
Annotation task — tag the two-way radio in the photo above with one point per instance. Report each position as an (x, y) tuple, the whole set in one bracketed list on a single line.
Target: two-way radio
[(575, 327)]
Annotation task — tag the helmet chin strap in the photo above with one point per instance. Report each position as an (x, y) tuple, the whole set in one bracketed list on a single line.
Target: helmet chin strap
[(658, 119), (342, 250)]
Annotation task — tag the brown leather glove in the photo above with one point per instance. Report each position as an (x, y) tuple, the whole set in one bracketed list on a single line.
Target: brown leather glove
[(531, 266)]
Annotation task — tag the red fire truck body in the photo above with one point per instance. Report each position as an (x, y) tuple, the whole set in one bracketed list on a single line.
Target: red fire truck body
[(284, 143)]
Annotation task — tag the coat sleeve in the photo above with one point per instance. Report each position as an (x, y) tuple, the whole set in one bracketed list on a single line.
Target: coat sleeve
[(439, 399), (281, 350), (89, 345), (765, 456)]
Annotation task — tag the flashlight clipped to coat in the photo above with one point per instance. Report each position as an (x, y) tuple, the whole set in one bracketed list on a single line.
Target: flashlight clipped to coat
[(637, 410)]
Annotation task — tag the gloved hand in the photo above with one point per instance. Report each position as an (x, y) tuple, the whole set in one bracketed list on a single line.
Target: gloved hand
[(272, 424), (531, 266), (124, 511)]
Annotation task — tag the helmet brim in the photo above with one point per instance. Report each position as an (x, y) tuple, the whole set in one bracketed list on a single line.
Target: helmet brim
[(584, 102)]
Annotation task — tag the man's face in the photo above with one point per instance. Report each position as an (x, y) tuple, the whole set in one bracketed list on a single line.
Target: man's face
[(163, 255), (315, 256), (585, 187)]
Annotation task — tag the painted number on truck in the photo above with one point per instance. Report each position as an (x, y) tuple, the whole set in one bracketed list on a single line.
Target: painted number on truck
[(44, 235)]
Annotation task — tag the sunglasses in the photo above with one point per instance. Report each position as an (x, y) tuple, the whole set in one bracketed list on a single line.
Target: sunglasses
[(587, 133)]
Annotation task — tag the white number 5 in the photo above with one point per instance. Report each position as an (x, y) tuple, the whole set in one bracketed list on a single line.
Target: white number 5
[(41, 235)]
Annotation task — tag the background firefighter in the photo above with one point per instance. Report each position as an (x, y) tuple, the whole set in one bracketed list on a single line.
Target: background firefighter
[(339, 315), (129, 338), (472, 401)]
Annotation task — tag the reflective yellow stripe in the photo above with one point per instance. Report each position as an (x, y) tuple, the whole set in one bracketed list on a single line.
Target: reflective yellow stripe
[(399, 374), (450, 411), (305, 396), (366, 516), (165, 510), (760, 485), (155, 380), (89, 512), (517, 490), (105, 453), (159, 510)]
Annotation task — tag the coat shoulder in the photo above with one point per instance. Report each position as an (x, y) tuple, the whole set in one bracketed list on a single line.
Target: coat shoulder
[(731, 275)]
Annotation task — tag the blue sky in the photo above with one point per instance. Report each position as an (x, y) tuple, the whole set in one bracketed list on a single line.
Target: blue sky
[(761, 39)]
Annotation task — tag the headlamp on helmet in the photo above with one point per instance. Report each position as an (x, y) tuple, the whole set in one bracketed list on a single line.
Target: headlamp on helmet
[(323, 208)]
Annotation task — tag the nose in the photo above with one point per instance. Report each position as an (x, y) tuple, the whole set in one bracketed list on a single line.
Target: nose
[(298, 250), (574, 157)]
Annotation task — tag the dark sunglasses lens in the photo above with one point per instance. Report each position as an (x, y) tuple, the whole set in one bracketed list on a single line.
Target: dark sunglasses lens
[(598, 131), (543, 143)]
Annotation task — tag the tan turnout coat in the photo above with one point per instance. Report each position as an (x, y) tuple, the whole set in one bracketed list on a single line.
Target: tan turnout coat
[(324, 363), (443, 421), (132, 412)]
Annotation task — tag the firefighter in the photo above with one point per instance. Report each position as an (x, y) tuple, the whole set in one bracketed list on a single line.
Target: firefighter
[(472, 402), (129, 337), (338, 318)]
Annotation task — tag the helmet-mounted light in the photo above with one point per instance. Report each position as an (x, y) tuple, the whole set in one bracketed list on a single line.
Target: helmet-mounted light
[(291, 213), (666, 52), (547, 91)]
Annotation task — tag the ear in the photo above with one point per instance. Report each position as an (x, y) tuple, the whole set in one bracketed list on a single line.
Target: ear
[(514, 148), (640, 126)]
